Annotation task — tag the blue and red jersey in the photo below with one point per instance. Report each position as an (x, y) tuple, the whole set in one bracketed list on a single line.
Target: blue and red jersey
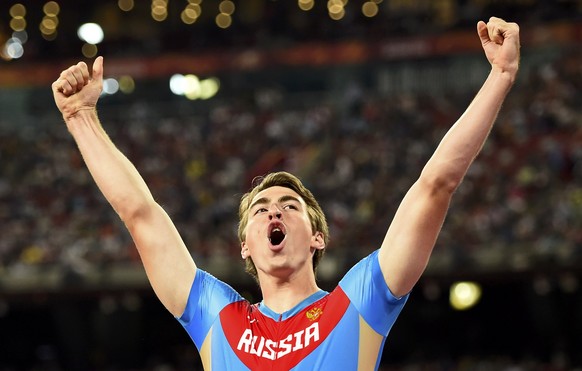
[(341, 330)]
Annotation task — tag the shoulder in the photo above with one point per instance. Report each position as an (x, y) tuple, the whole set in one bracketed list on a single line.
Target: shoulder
[(365, 282), (209, 295), (366, 269)]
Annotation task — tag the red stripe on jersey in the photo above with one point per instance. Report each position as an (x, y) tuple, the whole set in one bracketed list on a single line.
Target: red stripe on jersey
[(263, 343)]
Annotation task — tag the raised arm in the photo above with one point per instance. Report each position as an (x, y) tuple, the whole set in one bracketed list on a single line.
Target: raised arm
[(413, 232), (168, 264)]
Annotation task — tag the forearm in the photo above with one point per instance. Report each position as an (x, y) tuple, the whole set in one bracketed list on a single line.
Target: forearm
[(466, 137), (114, 174)]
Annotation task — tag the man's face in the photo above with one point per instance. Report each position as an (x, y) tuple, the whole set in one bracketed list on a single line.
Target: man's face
[(279, 238)]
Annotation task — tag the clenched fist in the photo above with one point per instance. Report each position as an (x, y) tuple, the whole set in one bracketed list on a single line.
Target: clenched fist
[(500, 41), (76, 90)]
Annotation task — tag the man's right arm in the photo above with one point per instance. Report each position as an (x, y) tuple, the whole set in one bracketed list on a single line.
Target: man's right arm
[(167, 262)]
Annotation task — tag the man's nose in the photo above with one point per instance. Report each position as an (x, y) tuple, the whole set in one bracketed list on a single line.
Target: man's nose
[(275, 212)]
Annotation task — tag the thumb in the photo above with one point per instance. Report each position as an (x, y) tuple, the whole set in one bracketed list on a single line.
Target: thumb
[(98, 69), (483, 32)]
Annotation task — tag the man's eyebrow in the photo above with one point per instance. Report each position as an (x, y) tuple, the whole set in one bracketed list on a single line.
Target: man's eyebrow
[(286, 198), (262, 200), (265, 200)]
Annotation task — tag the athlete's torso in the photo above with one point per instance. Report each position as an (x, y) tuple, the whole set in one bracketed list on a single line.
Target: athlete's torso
[(341, 330)]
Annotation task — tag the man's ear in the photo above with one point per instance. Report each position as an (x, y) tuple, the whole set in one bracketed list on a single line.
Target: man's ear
[(244, 250), (317, 241)]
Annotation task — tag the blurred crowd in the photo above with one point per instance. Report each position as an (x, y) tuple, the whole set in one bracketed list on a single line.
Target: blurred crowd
[(519, 208)]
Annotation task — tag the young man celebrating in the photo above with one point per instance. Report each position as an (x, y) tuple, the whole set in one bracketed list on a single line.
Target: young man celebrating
[(283, 233)]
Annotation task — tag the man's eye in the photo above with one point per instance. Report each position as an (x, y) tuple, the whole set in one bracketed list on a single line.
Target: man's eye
[(260, 210), (290, 207)]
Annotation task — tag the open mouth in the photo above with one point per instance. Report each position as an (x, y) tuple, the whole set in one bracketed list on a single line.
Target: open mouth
[(276, 236)]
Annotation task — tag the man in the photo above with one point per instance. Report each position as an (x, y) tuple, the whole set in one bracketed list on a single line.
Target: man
[(283, 234)]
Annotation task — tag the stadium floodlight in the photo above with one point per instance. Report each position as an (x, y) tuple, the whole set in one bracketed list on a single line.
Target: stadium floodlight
[(91, 33)]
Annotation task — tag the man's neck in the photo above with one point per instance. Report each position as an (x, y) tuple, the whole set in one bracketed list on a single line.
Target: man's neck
[(282, 295)]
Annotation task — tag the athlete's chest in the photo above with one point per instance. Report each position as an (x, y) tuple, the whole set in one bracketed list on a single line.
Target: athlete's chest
[(257, 338)]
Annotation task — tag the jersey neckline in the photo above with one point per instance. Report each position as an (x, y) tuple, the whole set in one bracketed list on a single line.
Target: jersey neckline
[(265, 310)]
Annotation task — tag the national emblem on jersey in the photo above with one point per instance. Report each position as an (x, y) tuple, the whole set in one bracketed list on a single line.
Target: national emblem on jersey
[(314, 313)]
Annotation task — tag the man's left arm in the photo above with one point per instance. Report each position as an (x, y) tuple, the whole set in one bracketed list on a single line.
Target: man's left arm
[(414, 230)]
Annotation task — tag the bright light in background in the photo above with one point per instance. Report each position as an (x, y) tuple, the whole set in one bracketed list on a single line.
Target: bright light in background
[(126, 84), (191, 13), (18, 23), (49, 24), (21, 36), (226, 7), (13, 49), (110, 86), (159, 10), (464, 295), (91, 33), (177, 84), (89, 50), (336, 9), (51, 8), (209, 88), (125, 5), (50, 21), (224, 18), (17, 10), (193, 88), (305, 4), (369, 9)]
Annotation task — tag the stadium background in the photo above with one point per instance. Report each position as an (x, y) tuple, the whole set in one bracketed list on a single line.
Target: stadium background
[(354, 105)]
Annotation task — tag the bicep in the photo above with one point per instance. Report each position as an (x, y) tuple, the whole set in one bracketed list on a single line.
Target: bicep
[(412, 235), (167, 262)]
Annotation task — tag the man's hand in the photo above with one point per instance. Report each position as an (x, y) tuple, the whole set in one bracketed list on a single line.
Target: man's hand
[(75, 90), (500, 41)]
